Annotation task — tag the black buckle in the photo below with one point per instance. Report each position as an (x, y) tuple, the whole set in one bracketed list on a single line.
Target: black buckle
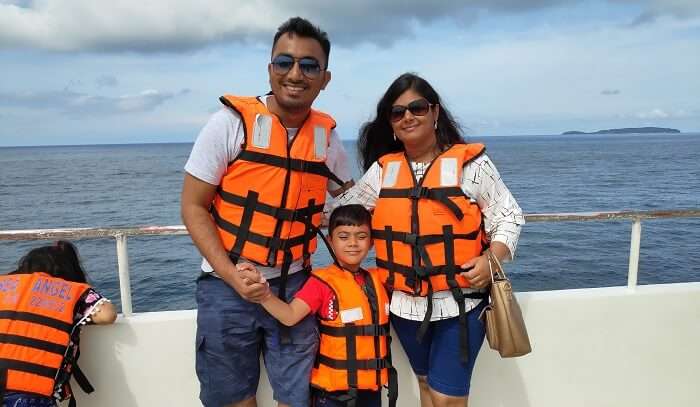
[(422, 272), (411, 238), (419, 192)]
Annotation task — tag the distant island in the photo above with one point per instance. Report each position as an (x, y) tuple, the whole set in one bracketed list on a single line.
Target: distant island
[(628, 130)]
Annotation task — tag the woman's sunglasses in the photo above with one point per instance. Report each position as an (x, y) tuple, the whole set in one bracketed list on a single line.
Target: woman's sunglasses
[(309, 67), (419, 107)]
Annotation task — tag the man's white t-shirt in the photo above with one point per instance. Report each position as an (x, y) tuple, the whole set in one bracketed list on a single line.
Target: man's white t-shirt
[(219, 142)]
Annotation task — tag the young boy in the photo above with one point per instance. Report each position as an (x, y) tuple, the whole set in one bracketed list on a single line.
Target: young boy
[(354, 360)]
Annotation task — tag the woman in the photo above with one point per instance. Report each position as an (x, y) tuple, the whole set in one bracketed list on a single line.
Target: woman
[(439, 204), (43, 306)]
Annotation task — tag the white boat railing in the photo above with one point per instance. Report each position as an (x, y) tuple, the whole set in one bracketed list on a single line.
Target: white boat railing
[(121, 234)]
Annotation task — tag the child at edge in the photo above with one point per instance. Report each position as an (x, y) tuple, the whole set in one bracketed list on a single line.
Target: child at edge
[(352, 307), (43, 306)]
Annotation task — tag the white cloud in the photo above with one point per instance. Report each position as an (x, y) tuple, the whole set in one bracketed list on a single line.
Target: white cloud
[(176, 25), (75, 103), (658, 113)]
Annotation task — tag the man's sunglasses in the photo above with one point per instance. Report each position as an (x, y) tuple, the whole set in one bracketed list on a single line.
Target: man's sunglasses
[(309, 67), (419, 107)]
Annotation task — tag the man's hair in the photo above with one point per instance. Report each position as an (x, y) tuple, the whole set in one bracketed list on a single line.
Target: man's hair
[(349, 215), (303, 28)]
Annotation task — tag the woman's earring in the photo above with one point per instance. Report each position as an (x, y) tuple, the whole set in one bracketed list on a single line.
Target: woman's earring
[(394, 136), (435, 125)]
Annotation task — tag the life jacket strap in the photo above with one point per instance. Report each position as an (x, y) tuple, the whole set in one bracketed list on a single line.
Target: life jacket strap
[(416, 240), (440, 194), (290, 215), (362, 364), (285, 334), (355, 330), (294, 164), (37, 319)]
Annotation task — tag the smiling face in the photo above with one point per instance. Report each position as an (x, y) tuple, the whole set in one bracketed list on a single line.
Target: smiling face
[(413, 129), (294, 92), (350, 245)]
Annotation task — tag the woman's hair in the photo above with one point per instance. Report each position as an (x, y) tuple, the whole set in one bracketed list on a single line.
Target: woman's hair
[(376, 136), (349, 215), (58, 260)]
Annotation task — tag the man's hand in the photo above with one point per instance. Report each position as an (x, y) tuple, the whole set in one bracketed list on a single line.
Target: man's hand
[(250, 283)]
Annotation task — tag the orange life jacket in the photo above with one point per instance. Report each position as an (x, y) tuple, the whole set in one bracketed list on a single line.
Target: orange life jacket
[(273, 192), (36, 330), (421, 252), (354, 351)]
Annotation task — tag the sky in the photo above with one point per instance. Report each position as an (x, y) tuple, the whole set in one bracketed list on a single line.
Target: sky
[(127, 71)]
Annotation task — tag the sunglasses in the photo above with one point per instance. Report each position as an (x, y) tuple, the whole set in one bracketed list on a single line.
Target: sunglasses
[(419, 107), (283, 63)]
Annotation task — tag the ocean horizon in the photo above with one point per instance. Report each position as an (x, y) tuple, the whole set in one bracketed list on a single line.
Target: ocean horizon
[(128, 185)]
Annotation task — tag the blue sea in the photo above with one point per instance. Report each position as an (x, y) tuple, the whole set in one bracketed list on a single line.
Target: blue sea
[(139, 185)]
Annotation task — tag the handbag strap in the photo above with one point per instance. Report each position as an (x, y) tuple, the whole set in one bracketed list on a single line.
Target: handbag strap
[(500, 274)]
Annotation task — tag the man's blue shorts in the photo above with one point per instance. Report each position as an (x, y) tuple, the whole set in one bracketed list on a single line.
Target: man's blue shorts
[(231, 335), (438, 355)]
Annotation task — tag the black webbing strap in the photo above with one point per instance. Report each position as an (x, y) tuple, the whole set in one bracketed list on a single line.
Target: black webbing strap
[(351, 366), (450, 273), (27, 367), (393, 385), (37, 319), (440, 194), (246, 220), (271, 210), (390, 258), (355, 330), (285, 335), (425, 324), (413, 239), (309, 233), (33, 343), (273, 243), (3, 382), (364, 364), (81, 379), (295, 164)]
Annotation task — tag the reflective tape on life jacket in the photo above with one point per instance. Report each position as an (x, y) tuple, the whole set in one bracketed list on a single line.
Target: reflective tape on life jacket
[(274, 191), (354, 351), (36, 328), (421, 253)]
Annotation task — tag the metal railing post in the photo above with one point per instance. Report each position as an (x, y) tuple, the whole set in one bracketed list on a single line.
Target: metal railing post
[(635, 241), (124, 280)]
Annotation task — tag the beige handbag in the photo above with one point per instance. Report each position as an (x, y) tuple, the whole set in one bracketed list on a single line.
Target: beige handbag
[(505, 328)]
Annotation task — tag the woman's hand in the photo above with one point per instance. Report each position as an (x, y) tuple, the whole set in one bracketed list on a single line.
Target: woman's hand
[(477, 271)]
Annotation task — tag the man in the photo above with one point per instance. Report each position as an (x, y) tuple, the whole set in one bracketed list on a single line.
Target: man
[(254, 189)]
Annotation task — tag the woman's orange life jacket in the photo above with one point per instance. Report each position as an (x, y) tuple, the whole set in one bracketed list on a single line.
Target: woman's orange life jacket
[(271, 197), (425, 230), (443, 229), (354, 351), (36, 328)]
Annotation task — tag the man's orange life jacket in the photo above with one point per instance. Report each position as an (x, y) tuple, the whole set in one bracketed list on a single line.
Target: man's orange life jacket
[(354, 351), (425, 230), (271, 197), (36, 330)]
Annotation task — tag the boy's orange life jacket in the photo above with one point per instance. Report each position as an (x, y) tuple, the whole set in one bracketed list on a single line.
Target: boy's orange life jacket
[(36, 326), (272, 194), (425, 230), (354, 351)]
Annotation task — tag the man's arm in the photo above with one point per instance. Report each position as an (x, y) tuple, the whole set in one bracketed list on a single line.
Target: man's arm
[(195, 200)]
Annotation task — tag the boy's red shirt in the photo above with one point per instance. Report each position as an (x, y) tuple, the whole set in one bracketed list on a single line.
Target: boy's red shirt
[(320, 298)]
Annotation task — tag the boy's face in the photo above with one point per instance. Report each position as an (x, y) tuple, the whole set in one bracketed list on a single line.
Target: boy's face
[(350, 245)]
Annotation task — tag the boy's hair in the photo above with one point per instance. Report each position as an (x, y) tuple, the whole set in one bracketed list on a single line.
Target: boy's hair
[(349, 215), (304, 28), (58, 260)]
